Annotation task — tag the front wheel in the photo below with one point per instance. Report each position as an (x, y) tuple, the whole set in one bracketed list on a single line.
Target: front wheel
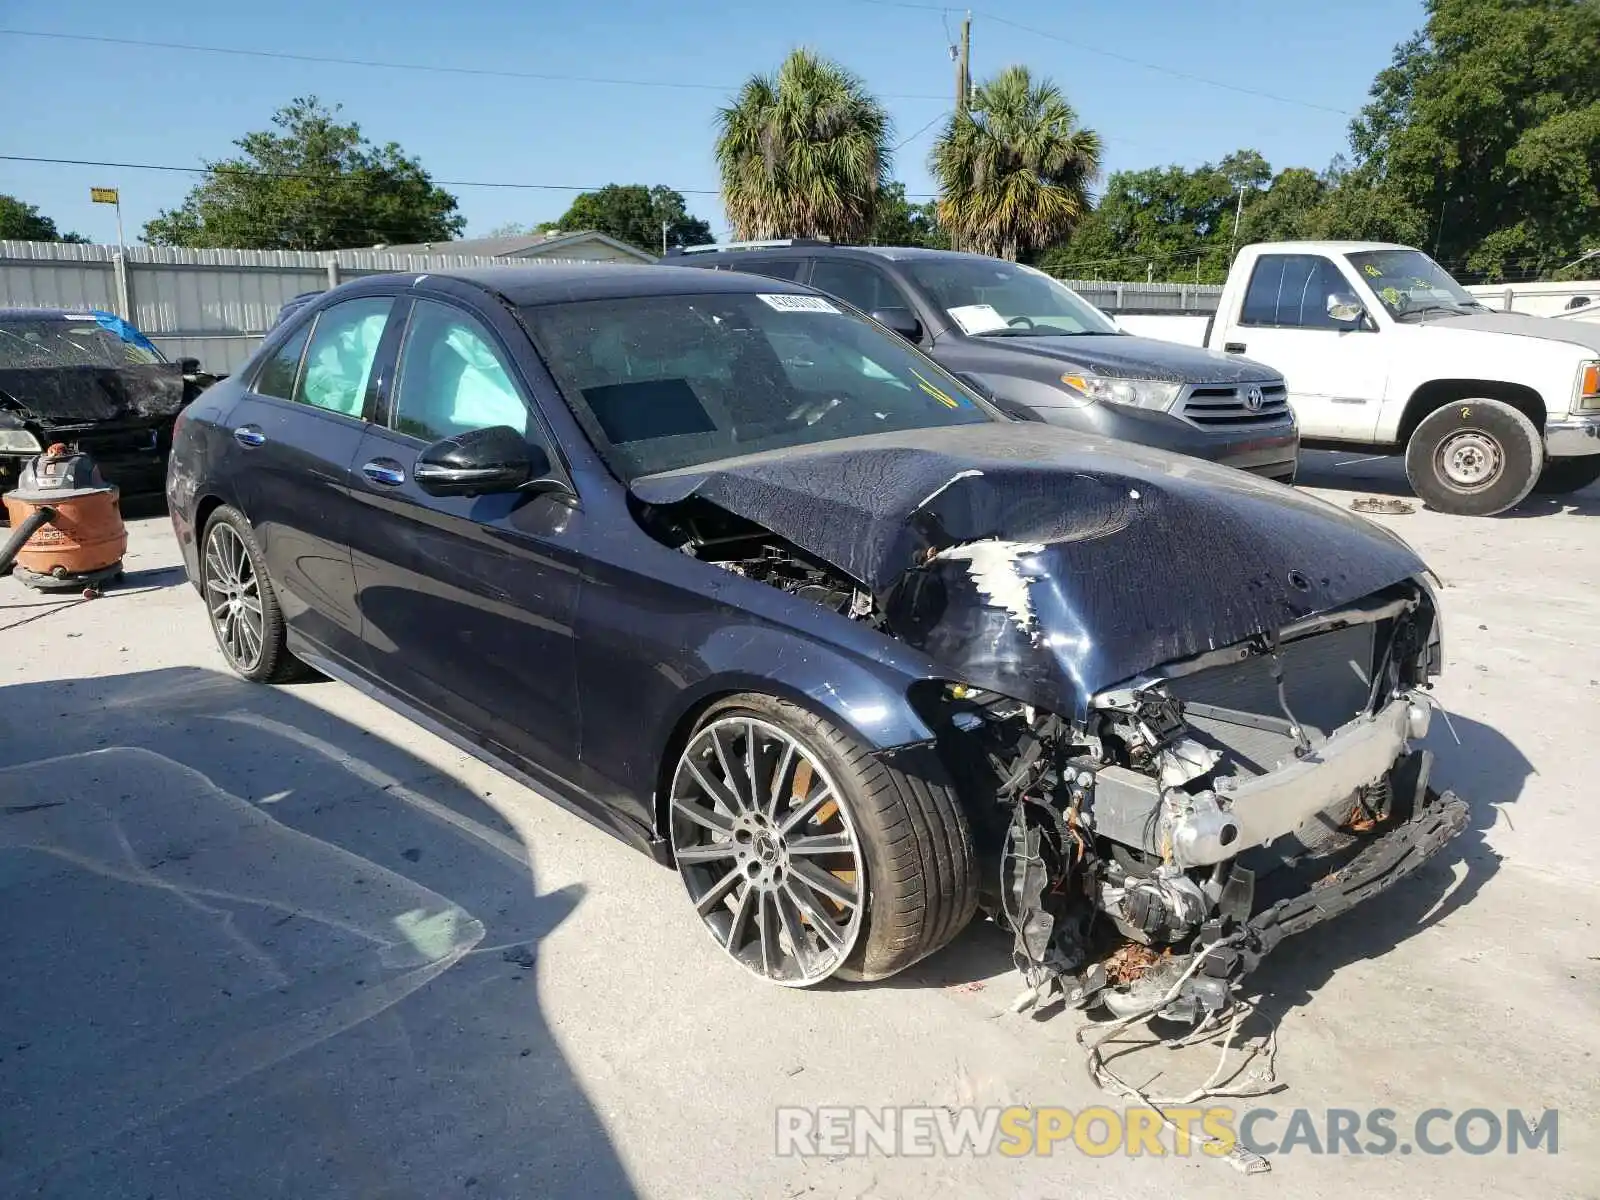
[(807, 856), (1474, 458), (1563, 476)]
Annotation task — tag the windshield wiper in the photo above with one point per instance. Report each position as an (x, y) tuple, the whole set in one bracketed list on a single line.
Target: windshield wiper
[(1455, 310)]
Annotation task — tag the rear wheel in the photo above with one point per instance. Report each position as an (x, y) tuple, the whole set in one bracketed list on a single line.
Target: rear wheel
[(807, 856), (244, 609), (1562, 476), (1474, 458)]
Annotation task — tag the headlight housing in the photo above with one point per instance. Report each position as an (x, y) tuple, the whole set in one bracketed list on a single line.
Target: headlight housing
[(18, 441), (1589, 387), (1155, 394)]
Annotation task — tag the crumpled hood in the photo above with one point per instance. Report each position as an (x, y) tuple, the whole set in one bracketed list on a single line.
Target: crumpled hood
[(1130, 357), (1577, 333), (74, 395), (1046, 565)]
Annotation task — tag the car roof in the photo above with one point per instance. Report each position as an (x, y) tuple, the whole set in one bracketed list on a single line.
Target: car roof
[(51, 314), (824, 250), (560, 284)]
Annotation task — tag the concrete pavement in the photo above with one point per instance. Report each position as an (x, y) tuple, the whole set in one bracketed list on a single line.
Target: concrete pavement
[(279, 942)]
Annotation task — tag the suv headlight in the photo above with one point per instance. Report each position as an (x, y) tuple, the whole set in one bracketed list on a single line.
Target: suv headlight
[(1589, 387), (18, 441), (1136, 393)]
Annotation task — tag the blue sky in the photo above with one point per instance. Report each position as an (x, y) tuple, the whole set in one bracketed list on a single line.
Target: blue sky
[(104, 102)]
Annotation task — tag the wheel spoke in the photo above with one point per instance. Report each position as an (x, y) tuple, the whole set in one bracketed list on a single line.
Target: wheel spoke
[(767, 924), (780, 779), (806, 902), (825, 883), (799, 947), (715, 893), (741, 916), (700, 815), (806, 807), (822, 843), (711, 852), (731, 779), (716, 791)]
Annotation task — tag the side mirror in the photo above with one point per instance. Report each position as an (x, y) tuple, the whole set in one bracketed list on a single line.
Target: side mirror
[(497, 459), (1345, 308), (899, 320)]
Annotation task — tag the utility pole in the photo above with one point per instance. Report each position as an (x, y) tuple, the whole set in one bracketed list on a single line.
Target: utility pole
[(1237, 213), (964, 66)]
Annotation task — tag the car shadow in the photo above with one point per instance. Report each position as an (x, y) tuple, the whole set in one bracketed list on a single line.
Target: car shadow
[(1386, 476), (251, 949), (1487, 771)]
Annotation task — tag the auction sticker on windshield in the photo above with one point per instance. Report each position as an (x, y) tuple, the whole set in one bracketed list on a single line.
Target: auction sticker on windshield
[(798, 303), (976, 318)]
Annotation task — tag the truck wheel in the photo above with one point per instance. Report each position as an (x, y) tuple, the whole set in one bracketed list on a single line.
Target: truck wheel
[(806, 855), (1562, 476), (1474, 458)]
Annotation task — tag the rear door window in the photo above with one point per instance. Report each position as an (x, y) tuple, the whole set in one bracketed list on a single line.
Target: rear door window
[(278, 374), (339, 359), (855, 284)]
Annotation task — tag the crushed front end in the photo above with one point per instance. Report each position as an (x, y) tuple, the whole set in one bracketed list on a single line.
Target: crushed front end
[(1196, 815)]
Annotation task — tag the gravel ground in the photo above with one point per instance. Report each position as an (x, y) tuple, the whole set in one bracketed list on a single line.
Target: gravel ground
[(280, 942)]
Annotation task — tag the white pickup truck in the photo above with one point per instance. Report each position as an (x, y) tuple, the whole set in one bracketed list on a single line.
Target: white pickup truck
[(1384, 351)]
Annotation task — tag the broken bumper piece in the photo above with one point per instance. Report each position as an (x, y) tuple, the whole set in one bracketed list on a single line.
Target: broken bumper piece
[(1230, 949)]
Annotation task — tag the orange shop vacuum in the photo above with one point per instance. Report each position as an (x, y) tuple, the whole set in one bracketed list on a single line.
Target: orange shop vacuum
[(66, 524)]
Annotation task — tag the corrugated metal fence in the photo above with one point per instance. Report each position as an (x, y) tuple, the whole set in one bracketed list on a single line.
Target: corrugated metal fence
[(1152, 299), (213, 305)]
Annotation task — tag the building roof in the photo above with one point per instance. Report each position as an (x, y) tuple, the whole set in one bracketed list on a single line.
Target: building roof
[(516, 245)]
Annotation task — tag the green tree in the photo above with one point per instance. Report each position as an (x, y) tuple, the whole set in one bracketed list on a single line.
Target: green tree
[(803, 153), (1014, 169), (899, 222), (634, 214), (1482, 137), (310, 184), (25, 223)]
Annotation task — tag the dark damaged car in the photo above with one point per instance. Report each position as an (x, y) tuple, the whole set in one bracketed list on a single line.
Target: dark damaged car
[(90, 379), (766, 592)]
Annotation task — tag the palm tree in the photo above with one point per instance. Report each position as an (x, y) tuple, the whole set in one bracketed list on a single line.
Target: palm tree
[(803, 153), (1014, 168)]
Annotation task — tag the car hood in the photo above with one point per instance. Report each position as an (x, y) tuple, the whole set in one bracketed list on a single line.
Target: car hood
[(1130, 357), (1522, 325), (1045, 565), (76, 395)]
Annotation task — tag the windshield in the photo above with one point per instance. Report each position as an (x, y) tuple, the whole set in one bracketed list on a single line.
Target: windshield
[(661, 382), (987, 297), (29, 343), (1409, 283)]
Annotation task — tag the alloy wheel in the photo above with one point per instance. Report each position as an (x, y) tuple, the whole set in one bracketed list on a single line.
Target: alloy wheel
[(233, 595), (767, 851)]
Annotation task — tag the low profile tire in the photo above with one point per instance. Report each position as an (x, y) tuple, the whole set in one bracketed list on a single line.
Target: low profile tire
[(1474, 458), (1563, 476), (806, 856), (243, 607)]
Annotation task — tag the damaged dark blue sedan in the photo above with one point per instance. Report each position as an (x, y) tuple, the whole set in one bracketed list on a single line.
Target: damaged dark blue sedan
[(757, 586)]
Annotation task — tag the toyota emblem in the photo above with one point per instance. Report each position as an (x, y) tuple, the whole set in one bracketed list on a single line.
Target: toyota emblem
[(1253, 398)]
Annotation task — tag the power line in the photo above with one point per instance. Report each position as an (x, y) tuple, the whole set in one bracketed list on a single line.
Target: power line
[(905, 141), (384, 65), (226, 169), (1112, 54)]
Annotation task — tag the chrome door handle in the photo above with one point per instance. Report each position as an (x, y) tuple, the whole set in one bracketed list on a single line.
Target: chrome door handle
[(385, 471), (249, 436)]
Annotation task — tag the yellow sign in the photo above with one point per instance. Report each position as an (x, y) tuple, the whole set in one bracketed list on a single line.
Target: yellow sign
[(103, 195)]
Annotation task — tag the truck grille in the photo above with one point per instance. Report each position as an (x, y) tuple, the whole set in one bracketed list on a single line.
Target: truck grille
[(1226, 406)]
